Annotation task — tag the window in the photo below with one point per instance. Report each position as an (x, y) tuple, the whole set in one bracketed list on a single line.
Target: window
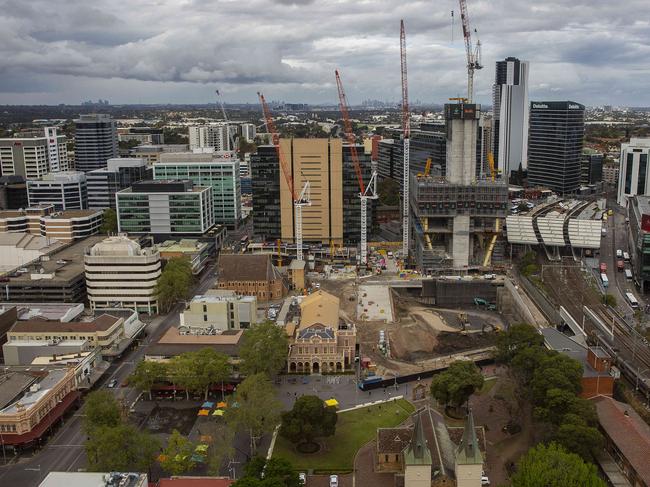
[(643, 168), (385, 458), (205, 317)]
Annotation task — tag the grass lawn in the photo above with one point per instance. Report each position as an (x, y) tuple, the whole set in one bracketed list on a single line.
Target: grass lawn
[(488, 384), (353, 430)]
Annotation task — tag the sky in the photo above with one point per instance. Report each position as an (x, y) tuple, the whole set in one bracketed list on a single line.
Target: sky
[(179, 51)]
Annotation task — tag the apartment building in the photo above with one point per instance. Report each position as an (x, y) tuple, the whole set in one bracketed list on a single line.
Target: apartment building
[(218, 170), (120, 173), (44, 220), (66, 190), (218, 135), (95, 141), (169, 207), (34, 157), (119, 272), (219, 310)]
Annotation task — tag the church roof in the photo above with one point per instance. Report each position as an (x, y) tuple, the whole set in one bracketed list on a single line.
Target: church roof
[(468, 452)]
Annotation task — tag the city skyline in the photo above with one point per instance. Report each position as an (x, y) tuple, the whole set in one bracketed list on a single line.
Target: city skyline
[(179, 52)]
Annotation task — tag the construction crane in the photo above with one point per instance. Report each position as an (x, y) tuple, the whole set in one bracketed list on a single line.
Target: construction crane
[(473, 53), (365, 192), (299, 201), (231, 140), (406, 127)]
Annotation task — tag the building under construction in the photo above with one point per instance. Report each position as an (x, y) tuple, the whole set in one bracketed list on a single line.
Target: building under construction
[(456, 219)]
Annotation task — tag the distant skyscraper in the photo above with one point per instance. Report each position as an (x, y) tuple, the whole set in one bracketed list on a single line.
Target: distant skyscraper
[(555, 145), (95, 141), (633, 174), (510, 113)]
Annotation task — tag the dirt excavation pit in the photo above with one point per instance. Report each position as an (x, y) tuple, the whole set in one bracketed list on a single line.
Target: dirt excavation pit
[(416, 337)]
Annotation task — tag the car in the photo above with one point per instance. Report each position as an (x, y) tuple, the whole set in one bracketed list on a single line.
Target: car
[(112, 384), (302, 476), (334, 481), (619, 253), (484, 479)]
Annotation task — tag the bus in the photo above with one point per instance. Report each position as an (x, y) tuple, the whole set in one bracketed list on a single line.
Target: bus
[(603, 277), (628, 274), (634, 304)]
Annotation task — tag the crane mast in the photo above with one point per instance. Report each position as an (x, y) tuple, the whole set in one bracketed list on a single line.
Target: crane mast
[(299, 201), (231, 140), (365, 192), (406, 127), (473, 53)]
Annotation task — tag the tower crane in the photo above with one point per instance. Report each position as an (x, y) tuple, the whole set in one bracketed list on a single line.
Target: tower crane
[(365, 192), (299, 201), (473, 53), (231, 140), (406, 127)]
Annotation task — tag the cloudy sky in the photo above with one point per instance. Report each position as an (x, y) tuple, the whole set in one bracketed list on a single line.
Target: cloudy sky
[(179, 51)]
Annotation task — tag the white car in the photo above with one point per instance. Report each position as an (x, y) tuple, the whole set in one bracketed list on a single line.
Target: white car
[(302, 476), (334, 481), (484, 479), (619, 253)]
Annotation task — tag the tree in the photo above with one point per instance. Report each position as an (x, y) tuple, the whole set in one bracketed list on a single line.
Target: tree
[(101, 410), (259, 409), (308, 419), (177, 455), (183, 373), (552, 466), (263, 349), (609, 300), (518, 337), (120, 448), (174, 137), (578, 437), (556, 371), (455, 385), (277, 472), (146, 374), (174, 282), (212, 367), (388, 190), (109, 221)]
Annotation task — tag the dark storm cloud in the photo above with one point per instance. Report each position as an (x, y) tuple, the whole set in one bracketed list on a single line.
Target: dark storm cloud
[(588, 50)]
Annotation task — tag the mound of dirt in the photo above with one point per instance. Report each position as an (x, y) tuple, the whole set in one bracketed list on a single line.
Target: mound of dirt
[(412, 342)]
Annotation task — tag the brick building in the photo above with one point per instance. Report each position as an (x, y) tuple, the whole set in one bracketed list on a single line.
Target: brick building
[(251, 275)]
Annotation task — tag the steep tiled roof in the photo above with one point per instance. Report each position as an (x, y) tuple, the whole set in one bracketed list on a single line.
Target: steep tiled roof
[(393, 440), (234, 267)]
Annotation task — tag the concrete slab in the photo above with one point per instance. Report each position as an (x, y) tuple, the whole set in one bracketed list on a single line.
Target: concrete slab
[(375, 303)]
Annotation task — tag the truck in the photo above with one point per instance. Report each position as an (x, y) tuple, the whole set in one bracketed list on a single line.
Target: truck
[(603, 267)]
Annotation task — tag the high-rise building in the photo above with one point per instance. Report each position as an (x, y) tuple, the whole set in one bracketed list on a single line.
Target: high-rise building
[(120, 173), (95, 141), (34, 157), (120, 273), (510, 114), (218, 170), (633, 174), (219, 136), (248, 131), (453, 214), (335, 211), (591, 167), (555, 145), (165, 207), (66, 190)]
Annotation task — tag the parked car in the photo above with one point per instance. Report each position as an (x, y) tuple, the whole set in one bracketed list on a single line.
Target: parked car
[(112, 384), (484, 479), (302, 476), (619, 253), (334, 481)]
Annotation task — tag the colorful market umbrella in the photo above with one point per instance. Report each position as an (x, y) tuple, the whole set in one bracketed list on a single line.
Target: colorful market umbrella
[(207, 405), (331, 403), (218, 412), (203, 412), (222, 404)]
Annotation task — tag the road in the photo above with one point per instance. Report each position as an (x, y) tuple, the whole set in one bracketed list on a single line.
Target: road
[(64, 452)]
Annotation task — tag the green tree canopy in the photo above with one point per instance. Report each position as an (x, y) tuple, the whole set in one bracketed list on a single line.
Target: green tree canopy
[(308, 419), (277, 472), (455, 385), (518, 337), (174, 283), (212, 367), (578, 437), (552, 466), (556, 371), (146, 374), (177, 455), (263, 349), (101, 410), (120, 448), (259, 409), (109, 221)]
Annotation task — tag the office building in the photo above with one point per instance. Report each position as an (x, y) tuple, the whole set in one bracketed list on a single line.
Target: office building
[(591, 167), (453, 215), (327, 165), (20, 248), (219, 170), (120, 173), (220, 136), (638, 213), (217, 311), (555, 145), (95, 141), (13, 193), (251, 275), (510, 114), (151, 153), (248, 132), (43, 220), (610, 173), (65, 190), (34, 157), (121, 273), (168, 207), (633, 169), (142, 135)]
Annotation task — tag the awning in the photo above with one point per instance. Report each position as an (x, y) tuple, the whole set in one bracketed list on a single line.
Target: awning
[(55, 413), (331, 403)]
